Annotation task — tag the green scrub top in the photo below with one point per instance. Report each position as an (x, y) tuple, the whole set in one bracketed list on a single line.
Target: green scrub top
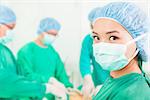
[(38, 63), (13, 86), (132, 86), (87, 59)]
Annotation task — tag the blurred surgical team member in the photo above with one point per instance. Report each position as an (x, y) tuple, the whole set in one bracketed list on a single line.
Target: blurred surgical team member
[(119, 32), (99, 75), (39, 61), (12, 85)]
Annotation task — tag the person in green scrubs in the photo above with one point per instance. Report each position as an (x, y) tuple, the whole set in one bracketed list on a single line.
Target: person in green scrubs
[(87, 59), (39, 61), (92, 73), (119, 32), (12, 85)]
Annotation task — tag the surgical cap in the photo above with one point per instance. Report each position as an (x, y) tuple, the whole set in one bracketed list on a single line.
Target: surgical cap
[(131, 17), (47, 24), (7, 16), (92, 13)]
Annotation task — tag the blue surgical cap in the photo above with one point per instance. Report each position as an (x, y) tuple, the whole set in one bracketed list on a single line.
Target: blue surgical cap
[(47, 24), (92, 14), (131, 17), (7, 16)]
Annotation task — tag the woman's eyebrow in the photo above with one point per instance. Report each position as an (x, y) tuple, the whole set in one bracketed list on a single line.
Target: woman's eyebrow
[(94, 33), (106, 32), (112, 32)]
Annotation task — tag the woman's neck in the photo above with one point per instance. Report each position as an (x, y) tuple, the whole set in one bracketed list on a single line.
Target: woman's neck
[(132, 67)]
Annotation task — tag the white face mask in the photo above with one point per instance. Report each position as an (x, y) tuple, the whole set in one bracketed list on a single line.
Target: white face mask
[(48, 39), (112, 56), (8, 38)]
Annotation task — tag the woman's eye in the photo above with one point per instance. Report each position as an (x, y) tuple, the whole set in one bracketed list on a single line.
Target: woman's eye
[(113, 38), (96, 38)]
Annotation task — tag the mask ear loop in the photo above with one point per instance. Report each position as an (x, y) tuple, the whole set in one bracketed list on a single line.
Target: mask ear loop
[(136, 52), (134, 40)]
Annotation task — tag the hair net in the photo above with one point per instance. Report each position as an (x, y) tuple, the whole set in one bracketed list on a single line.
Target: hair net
[(92, 14), (7, 16), (47, 24)]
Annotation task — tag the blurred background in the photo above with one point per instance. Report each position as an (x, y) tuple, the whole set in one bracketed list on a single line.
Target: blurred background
[(73, 16)]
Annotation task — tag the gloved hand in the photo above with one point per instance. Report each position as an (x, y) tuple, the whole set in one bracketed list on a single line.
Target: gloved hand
[(50, 88), (88, 87), (44, 98), (57, 84), (72, 91), (97, 89)]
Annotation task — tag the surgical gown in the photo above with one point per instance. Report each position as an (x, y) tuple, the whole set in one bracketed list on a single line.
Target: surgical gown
[(13, 86), (38, 63), (132, 86), (87, 59)]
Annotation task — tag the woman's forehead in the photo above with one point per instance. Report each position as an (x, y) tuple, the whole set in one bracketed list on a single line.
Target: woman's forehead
[(107, 23), (108, 26)]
